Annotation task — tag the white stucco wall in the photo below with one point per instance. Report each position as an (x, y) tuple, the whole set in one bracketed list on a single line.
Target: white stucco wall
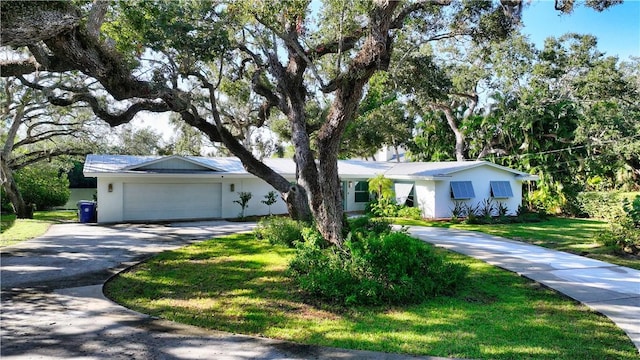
[(425, 198), (480, 178), (111, 203), (258, 189)]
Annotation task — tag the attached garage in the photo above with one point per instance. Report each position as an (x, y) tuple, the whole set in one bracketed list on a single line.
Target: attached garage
[(171, 201)]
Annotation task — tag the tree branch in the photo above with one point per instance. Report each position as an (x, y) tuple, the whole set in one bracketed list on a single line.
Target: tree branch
[(46, 135), (36, 156), (96, 17), (27, 22), (292, 43), (111, 119), (398, 20)]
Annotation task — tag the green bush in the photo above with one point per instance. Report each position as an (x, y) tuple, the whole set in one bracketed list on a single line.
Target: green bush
[(43, 186), (279, 230), (362, 226), (373, 269), (383, 206), (624, 231), (600, 205), (632, 208), (410, 213)]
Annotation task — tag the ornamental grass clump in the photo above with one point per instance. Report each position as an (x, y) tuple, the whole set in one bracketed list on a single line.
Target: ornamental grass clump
[(374, 268)]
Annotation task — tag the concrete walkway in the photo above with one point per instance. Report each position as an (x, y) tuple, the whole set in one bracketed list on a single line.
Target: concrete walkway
[(611, 290)]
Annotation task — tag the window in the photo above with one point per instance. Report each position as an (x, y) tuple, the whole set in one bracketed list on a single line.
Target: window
[(462, 190), (501, 189), (362, 191), (404, 194)]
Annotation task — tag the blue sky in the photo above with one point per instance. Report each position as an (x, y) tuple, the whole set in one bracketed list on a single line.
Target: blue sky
[(617, 28)]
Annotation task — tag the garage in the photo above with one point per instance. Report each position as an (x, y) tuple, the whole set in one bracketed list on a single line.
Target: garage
[(171, 201)]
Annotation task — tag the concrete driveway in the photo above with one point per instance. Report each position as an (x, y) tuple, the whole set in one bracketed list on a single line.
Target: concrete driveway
[(53, 307)]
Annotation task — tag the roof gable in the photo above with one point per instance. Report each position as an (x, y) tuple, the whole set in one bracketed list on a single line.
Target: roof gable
[(445, 169), (173, 163)]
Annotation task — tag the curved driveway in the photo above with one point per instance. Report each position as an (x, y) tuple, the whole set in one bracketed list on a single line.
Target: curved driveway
[(53, 307)]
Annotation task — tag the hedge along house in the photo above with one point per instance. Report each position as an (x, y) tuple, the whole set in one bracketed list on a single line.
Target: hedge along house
[(156, 188)]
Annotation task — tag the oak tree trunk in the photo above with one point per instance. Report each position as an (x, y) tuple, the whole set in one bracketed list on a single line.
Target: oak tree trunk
[(13, 193)]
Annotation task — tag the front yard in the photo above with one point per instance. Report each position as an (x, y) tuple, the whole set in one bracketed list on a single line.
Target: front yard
[(13, 231), (238, 284)]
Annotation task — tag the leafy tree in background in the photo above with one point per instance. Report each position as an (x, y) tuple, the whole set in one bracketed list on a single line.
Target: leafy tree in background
[(289, 55), (44, 185), (382, 120), (34, 131)]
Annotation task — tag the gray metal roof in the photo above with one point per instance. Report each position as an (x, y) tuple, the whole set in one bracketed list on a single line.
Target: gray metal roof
[(96, 165)]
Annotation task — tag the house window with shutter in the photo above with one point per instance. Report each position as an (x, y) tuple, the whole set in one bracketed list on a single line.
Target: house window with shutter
[(462, 190), (501, 189)]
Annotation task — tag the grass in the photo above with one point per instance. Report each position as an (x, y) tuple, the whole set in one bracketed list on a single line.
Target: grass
[(577, 236), (238, 284), (13, 231)]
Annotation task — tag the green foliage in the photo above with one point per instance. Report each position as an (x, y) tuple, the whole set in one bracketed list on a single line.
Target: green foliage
[(270, 199), (632, 208), (280, 230), (363, 225), (410, 212), (382, 121), (381, 186), (624, 230), (77, 179), (194, 32), (384, 203), (548, 197), (375, 267), (600, 205), (43, 186), (458, 211), (243, 201), (383, 206)]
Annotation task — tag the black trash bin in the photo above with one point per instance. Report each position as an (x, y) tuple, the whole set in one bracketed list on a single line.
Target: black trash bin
[(86, 211)]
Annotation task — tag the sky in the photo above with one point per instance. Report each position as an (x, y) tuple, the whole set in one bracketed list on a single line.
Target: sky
[(616, 28)]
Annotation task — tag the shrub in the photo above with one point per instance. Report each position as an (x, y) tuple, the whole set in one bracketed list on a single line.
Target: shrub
[(624, 233), (632, 208), (387, 268), (269, 199), (486, 208), (502, 209), (383, 207), (42, 185), (458, 210), (410, 212), (600, 205), (243, 201), (364, 225), (279, 230)]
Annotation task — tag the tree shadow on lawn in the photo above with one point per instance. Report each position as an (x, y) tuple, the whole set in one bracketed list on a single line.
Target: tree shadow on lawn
[(238, 284)]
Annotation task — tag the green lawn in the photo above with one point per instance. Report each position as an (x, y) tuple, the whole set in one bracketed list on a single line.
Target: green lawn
[(577, 236), (238, 284), (14, 230)]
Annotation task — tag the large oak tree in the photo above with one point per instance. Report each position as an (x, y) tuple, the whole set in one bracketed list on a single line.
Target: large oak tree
[(165, 56)]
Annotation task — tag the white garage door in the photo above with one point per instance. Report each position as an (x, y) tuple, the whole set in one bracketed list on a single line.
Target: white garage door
[(171, 201)]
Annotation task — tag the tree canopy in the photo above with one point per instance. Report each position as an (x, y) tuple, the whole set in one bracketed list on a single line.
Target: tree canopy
[(162, 56)]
